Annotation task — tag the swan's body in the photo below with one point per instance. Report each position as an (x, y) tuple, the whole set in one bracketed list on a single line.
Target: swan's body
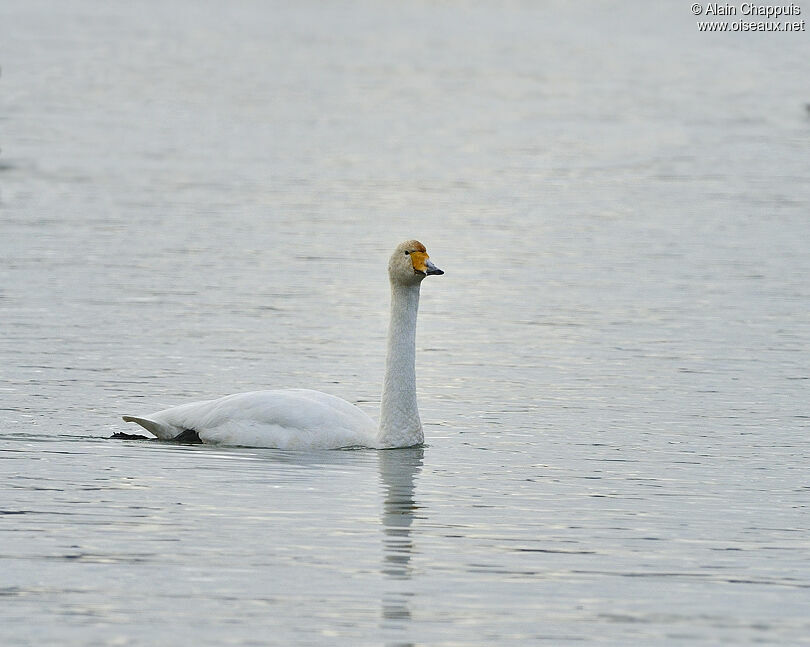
[(304, 419), (285, 418)]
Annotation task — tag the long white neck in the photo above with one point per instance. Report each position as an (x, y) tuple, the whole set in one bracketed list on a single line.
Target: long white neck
[(399, 415)]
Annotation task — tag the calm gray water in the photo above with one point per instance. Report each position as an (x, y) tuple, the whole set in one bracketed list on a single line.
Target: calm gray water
[(613, 373)]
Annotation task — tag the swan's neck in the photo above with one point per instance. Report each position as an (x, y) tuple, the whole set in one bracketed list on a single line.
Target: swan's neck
[(399, 415)]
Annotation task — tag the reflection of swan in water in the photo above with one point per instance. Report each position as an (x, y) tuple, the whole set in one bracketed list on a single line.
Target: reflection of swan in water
[(398, 469)]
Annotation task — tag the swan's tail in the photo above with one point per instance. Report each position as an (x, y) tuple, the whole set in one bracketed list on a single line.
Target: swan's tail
[(160, 429)]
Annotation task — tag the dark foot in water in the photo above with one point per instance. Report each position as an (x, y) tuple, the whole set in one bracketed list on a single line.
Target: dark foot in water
[(189, 437), (120, 435)]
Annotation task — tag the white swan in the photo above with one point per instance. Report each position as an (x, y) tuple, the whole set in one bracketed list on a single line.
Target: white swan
[(304, 419)]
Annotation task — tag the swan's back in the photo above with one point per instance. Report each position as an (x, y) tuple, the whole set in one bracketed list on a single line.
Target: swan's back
[(285, 419)]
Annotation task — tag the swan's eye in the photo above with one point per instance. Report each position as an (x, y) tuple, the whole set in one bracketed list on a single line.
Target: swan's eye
[(407, 253)]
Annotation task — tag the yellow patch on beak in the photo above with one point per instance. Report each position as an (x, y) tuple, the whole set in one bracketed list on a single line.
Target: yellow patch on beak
[(419, 261)]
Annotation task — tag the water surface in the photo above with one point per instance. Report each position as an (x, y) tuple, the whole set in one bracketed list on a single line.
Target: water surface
[(613, 373)]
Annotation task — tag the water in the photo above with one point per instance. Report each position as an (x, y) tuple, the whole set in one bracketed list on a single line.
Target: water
[(613, 373)]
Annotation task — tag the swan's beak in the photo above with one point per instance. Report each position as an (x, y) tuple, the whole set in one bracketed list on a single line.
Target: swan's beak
[(423, 265), (432, 269)]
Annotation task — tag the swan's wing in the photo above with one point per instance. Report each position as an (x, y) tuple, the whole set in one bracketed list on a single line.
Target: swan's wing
[(287, 419), (161, 430)]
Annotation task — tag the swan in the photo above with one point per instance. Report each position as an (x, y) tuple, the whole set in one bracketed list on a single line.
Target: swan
[(306, 419)]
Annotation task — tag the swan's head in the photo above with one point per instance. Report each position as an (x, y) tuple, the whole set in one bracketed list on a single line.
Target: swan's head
[(410, 264)]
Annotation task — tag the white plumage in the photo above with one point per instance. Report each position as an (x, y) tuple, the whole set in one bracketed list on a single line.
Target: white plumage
[(305, 419), (287, 419)]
